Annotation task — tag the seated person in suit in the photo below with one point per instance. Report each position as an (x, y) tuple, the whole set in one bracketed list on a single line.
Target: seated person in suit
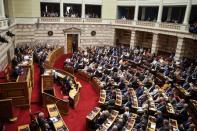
[(15, 61), (159, 119), (186, 84), (191, 127), (139, 90), (114, 128), (103, 116), (17, 71), (142, 99), (126, 113), (110, 100), (154, 90), (162, 105), (43, 123), (119, 124), (192, 90), (180, 104), (165, 126), (141, 120), (185, 125), (182, 114)]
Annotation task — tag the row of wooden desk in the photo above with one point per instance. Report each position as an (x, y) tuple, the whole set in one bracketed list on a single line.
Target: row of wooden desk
[(134, 98), (103, 96), (118, 101), (56, 118), (130, 122), (53, 55), (110, 120)]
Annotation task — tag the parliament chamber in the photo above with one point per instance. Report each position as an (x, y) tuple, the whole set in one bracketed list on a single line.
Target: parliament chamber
[(98, 65)]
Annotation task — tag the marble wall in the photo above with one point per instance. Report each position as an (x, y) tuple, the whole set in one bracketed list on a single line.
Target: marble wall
[(6, 49), (39, 34)]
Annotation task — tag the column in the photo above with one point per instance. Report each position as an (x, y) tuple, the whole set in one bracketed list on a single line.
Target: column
[(187, 12), (159, 16), (2, 10), (83, 9), (136, 11), (155, 44), (180, 48), (61, 8), (143, 13), (169, 14), (133, 39)]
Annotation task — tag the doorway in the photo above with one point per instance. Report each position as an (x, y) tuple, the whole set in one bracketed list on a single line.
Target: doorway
[(72, 43), (123, 37)]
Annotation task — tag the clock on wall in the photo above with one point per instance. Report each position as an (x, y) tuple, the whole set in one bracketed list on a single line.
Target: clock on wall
[(50, 33), (93, 33)]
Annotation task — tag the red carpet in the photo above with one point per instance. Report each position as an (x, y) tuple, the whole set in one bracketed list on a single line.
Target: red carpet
[(36, 90), (76, 118), (57, 91), (59, 64)]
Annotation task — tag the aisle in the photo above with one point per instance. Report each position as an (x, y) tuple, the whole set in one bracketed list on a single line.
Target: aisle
[(35, 97), (76, 118)]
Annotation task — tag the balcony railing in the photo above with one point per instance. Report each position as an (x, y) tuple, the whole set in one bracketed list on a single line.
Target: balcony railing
[(49, 19), (124, 22), (72, 20), (170, 26), (146, 23), (117, 22)]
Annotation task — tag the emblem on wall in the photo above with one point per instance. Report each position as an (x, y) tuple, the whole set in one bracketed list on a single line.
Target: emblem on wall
[(50, 33), (93, 33)]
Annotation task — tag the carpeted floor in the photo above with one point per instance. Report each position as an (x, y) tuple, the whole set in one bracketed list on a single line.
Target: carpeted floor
[(76, 118), (59, 64), (57, 91), (36, 92)]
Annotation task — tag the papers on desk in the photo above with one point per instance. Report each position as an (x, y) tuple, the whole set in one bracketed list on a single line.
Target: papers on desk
[(54, 114), (93, 113), (47, 72), (23, 63), (58, 124), (60, 75), (72, 93), (153, 125), (54, 119)]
